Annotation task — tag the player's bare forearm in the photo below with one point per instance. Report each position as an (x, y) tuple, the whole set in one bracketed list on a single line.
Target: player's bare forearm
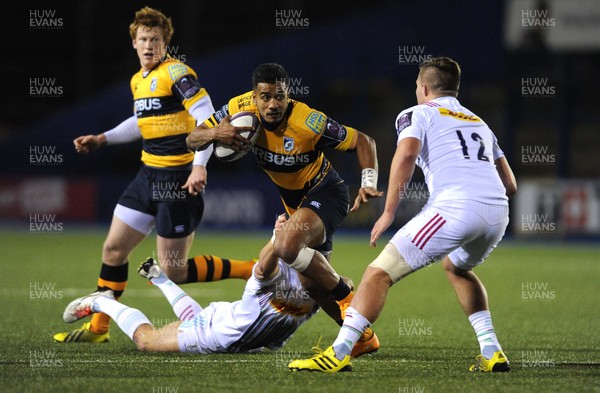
[(401, 171), (507, 176), (224, 132), (267, 264), (199, 137), (366, 151)]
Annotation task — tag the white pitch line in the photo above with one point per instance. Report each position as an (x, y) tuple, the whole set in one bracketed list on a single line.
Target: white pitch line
[(75, 292), (104, 361)]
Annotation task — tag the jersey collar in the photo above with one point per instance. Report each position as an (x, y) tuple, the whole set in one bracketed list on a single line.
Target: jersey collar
[(145, 74)]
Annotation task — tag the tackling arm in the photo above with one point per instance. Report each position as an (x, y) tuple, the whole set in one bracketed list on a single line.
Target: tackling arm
[(267, 266)]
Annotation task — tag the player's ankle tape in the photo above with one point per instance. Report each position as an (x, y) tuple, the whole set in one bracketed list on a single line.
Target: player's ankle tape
[(341, 290)]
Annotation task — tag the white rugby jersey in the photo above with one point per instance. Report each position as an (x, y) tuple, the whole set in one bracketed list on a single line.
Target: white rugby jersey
[(284, 305), (458, 151)]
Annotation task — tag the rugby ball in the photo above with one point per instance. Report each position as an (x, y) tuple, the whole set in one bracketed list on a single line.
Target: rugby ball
[(241, 119)]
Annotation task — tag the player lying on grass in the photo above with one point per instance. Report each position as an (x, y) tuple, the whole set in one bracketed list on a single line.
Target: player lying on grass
[(469, 181), (274, 304)]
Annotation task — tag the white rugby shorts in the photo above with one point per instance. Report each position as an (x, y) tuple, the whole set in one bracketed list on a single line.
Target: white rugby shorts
[(465, 230)]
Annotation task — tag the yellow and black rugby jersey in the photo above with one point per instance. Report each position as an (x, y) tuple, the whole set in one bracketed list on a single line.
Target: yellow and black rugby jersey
[(162, 97), (292, 155)]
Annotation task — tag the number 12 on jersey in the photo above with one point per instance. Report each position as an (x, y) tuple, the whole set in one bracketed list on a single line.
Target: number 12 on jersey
[(477, 138)]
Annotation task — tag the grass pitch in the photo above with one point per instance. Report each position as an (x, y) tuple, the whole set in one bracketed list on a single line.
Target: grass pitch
[(544, 300)]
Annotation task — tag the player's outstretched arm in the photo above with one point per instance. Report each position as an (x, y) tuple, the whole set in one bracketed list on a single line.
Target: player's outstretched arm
[(401, 171), (127, 131), (267, 266), (366, 152), (507, 176), (87, 143)]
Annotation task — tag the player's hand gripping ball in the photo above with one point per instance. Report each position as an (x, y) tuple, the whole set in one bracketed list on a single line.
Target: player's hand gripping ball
[(242, 119)]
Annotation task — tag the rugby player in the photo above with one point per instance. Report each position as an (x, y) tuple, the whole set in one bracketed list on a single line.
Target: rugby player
[(469, 181), (275, 303), (291, 152), (166, 193)]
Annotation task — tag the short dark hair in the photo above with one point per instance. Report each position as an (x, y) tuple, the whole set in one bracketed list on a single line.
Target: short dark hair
[(442, 74), (269, 73)]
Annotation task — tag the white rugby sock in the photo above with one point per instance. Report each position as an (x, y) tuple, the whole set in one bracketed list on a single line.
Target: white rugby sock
[(129, 319), (184, 307), (354, 326), (482, 324)]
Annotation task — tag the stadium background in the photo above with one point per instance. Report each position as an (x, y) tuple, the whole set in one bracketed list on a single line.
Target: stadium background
[(529, 69)]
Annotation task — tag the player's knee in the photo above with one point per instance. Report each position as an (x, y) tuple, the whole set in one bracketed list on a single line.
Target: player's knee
[(451, 269), (302, 259), (390, 263), (286, 248), (376, 275), (142, 341), (113, 253)]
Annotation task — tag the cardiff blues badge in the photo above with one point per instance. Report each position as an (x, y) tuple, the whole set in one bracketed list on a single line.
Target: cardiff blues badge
[(288, 143)]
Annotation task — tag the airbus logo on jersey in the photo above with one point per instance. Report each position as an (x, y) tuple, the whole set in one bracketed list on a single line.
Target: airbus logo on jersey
[(268, 157), (146, 104)]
